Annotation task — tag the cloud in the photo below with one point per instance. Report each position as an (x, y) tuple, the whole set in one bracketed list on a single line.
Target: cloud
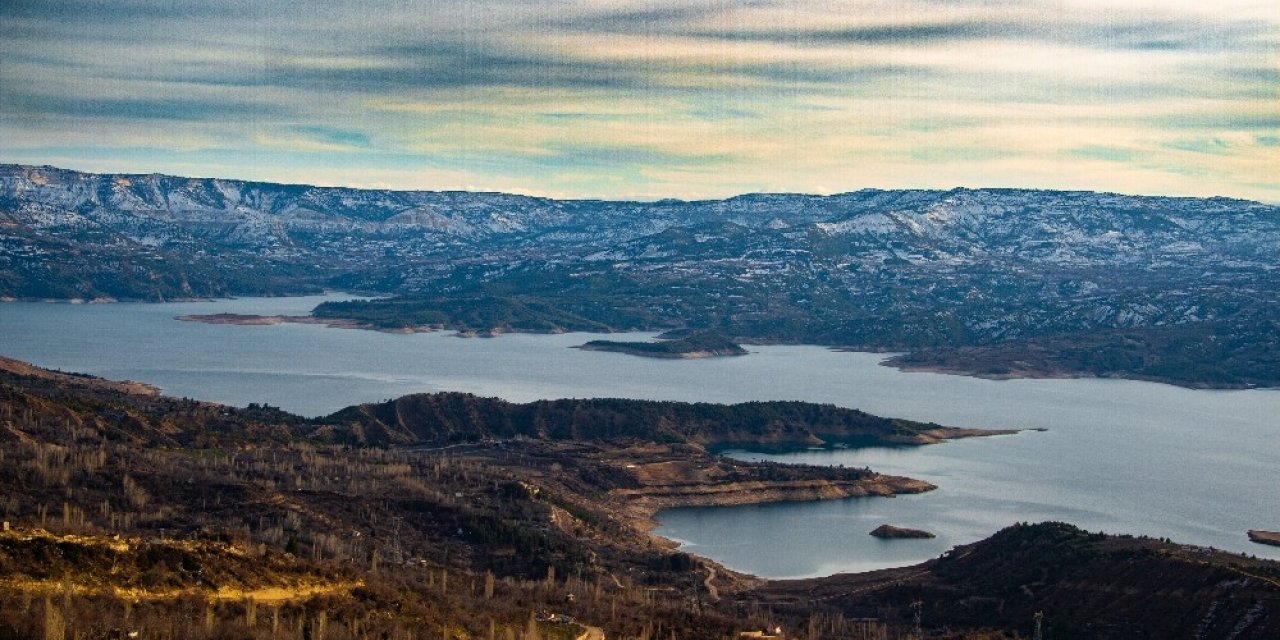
[(1211, 146), (697, 97), (614, 156), (1268, 121), (161, 108), (1109, 154), (330, 135), (111, 11), (942, 155)]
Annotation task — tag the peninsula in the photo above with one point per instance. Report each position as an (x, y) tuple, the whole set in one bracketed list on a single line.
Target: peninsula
[(1265, 537), (704, 344), (253, 320)]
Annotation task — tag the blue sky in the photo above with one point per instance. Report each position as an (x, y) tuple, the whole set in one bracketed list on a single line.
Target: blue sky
[(653, 98)]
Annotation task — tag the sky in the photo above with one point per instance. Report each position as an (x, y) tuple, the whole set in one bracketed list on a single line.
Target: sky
[(653, 98)]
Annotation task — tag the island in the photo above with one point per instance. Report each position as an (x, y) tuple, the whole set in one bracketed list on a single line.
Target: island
[(1265, 537), (890, 532), (703, 344)]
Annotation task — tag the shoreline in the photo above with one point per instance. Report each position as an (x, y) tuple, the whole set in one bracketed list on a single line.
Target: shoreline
[(132, 387), (646, 503), (254, 320), (1058, 374), (893, 359), (658, 355), (644, 513)]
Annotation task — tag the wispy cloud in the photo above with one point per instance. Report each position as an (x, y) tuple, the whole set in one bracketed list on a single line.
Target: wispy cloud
[(662, 97)]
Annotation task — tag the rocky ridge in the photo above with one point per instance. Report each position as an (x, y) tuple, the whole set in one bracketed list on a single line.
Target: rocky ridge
[(883, 270)]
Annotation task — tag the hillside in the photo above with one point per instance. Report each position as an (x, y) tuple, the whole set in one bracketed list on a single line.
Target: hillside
[(201, 520), (130, 511), (1198, 355), (444, 418), (1085, 585), (910, 270), (91, 454)]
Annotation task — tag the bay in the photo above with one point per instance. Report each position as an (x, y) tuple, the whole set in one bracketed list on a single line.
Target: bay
[(1121, 456)]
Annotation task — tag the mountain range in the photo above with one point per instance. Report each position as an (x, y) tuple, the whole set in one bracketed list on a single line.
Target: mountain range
[(957, 277)]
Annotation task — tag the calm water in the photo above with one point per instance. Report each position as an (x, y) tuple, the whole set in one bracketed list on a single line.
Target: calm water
[(1119, 456)]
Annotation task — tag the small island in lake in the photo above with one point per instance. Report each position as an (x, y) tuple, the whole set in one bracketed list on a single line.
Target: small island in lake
[(1265, 537), (237, 319), (890, 532), (703, 344)]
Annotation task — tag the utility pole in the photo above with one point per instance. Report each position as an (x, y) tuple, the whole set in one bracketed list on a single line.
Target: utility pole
[(1039, 619)]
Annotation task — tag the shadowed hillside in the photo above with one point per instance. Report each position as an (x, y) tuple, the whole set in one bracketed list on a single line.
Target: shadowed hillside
[(1086, 585), (458, 417), (129, 511)]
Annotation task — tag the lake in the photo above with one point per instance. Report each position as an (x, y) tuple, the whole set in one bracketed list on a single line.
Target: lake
[(1120, 456)]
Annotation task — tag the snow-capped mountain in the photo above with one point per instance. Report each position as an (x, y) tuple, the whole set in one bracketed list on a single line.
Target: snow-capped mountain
[(967, 266)]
